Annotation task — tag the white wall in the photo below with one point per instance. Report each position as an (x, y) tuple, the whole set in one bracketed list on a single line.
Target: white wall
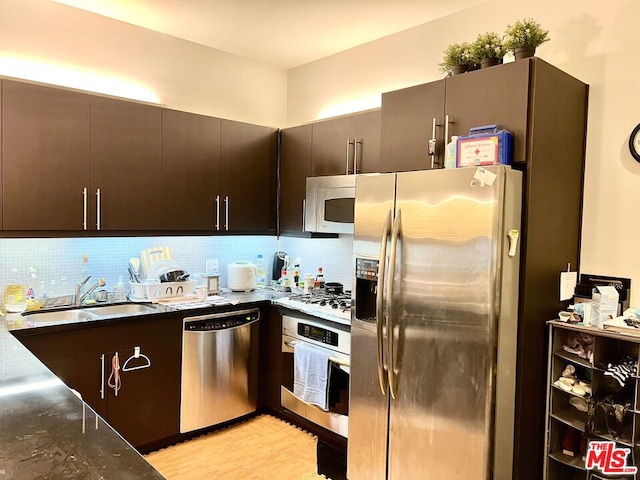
[(592, 41), (47, 40)]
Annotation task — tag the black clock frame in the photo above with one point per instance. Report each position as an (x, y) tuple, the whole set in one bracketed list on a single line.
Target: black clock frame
[(633, 147)]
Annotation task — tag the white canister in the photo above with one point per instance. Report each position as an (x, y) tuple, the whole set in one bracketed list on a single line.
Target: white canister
[(241, 276)]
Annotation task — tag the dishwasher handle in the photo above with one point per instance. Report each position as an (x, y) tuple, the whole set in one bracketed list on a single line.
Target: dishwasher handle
[(221, 321)]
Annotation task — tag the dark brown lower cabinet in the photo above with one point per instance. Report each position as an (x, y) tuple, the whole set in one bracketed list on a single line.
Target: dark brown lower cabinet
[(146, 408)]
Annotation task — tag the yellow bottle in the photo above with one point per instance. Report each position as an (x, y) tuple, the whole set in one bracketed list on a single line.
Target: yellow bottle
[(14, 301)]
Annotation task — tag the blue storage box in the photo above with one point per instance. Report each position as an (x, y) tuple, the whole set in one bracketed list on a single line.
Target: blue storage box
[(485, 145)]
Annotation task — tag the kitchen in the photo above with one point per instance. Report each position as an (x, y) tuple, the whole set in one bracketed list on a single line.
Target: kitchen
[(607, 189)]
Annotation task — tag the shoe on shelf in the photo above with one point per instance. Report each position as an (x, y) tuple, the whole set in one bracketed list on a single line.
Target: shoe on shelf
[(579, 403)]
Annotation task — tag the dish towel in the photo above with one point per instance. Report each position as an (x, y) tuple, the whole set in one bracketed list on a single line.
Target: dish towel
[(311, 371)]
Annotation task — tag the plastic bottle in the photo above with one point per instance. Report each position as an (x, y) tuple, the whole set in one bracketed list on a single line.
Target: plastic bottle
[(319, 283), (119, 291), (14, 300), (451, 153), (261, 272), (85, 271)]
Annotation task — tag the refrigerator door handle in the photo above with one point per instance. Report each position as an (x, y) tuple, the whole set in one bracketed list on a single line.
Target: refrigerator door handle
[(391, 371), (380, 316)]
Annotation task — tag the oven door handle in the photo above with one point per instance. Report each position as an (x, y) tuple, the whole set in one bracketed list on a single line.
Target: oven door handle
[(332, 359)]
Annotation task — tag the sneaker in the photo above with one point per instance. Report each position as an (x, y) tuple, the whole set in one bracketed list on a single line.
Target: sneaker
[(579, 403)]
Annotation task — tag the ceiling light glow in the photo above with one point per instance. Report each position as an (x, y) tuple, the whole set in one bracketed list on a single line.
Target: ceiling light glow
[(351, 106), (74, 78)]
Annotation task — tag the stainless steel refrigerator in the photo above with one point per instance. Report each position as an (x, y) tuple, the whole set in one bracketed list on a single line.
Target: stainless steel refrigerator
[(433, 333)]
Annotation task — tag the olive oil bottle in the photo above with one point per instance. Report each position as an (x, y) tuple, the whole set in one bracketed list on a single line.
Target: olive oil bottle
[(14, 301)]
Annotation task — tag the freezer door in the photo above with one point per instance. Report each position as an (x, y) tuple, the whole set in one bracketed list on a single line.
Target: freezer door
[(446, 297), (368, 405)]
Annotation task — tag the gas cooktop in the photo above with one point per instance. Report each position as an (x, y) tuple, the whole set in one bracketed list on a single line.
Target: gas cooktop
[(330, 306)]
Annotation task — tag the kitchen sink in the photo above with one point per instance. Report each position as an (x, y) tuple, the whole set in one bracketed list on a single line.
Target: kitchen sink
[(88, 314), (61, 316), (120, 310)]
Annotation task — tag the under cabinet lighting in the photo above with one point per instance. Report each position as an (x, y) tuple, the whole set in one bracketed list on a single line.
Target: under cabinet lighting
[(70, 77)]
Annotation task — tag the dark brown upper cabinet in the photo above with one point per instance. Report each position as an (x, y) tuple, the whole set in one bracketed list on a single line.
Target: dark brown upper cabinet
[(295, 167), (407, 124), (346, 145), (125, 165), (190, 171), (74, 162), (46, 157), (248, 177), (437, 110)]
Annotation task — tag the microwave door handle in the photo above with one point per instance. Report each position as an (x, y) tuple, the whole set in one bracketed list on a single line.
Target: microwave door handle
[(380, 313), (393, 377)]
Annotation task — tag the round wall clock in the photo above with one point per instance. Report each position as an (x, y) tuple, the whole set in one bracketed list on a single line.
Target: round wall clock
[(634, 143)]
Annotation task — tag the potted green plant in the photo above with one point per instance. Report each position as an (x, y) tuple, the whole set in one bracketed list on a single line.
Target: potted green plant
[(487, 49), (523, 37), (457, 59)]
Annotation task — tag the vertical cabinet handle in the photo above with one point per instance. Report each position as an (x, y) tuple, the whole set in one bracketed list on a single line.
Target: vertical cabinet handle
[(355, 155), (102, 377), (447, 122), (217, 212), (304, 213), (84, 208), (98, 213), (433, 144), (226, 212), (346, 170)]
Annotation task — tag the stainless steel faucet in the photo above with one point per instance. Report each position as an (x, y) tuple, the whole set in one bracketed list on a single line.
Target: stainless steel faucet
[(80, 297)]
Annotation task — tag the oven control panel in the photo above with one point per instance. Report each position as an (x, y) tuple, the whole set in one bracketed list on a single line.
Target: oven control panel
[(318, 334)]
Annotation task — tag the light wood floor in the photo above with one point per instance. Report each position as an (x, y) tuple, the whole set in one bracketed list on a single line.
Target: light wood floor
[(261, 448)]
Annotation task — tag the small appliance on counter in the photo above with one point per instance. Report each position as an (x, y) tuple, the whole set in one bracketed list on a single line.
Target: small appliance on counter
[(213, 282), (241, 276), (278, 264)]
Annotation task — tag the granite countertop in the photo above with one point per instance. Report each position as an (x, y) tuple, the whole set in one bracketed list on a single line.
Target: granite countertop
[(47, 431)]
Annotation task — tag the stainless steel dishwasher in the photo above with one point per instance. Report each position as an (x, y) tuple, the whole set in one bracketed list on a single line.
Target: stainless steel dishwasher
[(219, 368)]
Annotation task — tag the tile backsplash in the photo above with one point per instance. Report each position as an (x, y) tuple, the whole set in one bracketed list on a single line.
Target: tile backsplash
[(57, 259)]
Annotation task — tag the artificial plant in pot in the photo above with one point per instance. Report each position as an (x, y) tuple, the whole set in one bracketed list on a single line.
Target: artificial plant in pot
[(457, 59), (523, 37), (487, 49)]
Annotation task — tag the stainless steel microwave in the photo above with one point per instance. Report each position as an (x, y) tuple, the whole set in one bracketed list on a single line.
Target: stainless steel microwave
[(329, 204)]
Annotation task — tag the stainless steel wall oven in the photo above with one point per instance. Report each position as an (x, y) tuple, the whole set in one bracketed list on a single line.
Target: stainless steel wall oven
[(335, 339)]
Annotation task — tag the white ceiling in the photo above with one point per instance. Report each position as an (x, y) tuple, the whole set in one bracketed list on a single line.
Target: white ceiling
[(283, 33)]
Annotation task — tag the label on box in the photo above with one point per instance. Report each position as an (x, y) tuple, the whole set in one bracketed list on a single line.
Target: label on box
[(478, 151)]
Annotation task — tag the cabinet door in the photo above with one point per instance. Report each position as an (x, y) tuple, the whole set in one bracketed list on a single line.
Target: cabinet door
[(497, 95), (147, 406), (248, 177), (46, 154), (367, 153), (295, 167), (87, 375), (190, 171), (125, 165), (333, 146), (407, 127)]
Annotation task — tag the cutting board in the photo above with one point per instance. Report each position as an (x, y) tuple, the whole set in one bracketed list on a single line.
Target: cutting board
[(153, 254)]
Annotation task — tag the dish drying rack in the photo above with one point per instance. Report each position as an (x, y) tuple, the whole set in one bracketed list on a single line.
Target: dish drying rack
[(148, 292)]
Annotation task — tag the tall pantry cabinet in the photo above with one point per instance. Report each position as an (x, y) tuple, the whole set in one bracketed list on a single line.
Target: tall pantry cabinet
[(546, 110)]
